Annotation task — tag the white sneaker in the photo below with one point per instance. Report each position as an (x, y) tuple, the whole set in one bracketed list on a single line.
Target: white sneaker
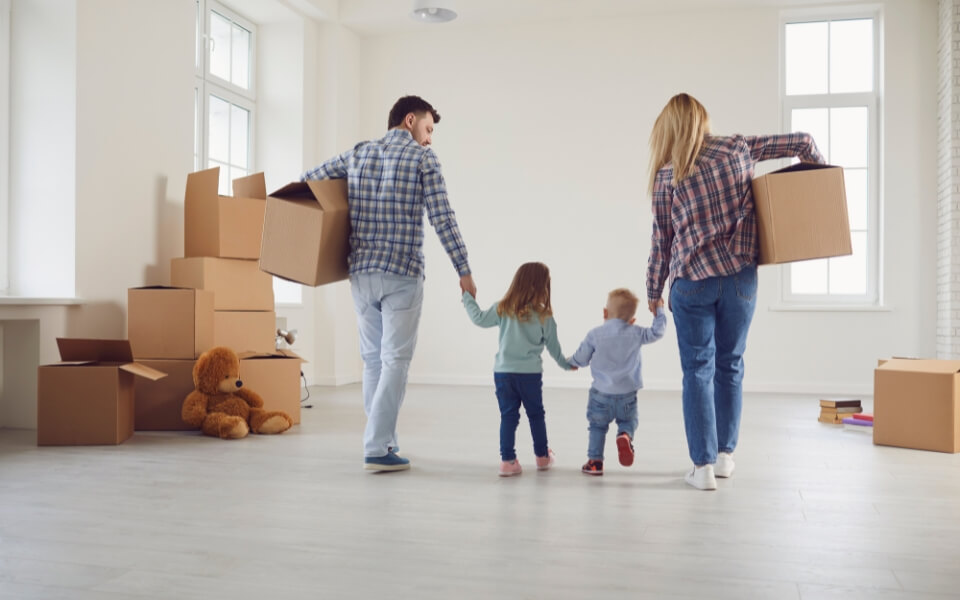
[(724, 466), (702, 478)]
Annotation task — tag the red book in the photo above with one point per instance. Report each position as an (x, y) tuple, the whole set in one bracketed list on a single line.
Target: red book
[(863, 416)]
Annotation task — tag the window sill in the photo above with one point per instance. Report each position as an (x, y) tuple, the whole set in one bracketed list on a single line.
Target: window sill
[(25, 301), (829, 308)]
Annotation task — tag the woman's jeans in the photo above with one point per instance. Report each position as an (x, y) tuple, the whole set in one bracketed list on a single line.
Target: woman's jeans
[(514, 389), (712, 317)]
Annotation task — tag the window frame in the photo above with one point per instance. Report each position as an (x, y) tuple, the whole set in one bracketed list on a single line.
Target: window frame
[(873, 296)]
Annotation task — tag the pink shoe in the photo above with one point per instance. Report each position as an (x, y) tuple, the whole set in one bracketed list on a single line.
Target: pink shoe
[(510, 468), (545, 462)]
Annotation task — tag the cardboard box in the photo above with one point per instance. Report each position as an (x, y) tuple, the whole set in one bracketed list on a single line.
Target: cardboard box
[(306, 231), (236, 284), (168, 322), (915, 404), (157, 404), (801, 214), (276, 377), (224, 226), (88, 397), (245, 331)]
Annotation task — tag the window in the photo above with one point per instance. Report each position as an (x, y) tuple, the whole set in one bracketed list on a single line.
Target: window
[(830, 90), (224, 96)]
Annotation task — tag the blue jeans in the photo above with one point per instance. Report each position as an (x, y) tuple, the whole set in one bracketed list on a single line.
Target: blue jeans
[(388, 314), (712, 317), (514, 389), (604, 408)]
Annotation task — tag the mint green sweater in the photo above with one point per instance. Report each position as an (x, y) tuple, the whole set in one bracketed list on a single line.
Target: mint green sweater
[(521, 342)]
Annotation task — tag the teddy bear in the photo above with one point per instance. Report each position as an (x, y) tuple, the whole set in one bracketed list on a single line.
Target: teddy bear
[(221, 406)]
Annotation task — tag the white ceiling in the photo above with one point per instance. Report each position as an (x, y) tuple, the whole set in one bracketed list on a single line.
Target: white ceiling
[(384, 16)]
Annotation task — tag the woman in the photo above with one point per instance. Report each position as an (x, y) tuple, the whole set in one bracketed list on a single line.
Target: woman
[(705, 239)]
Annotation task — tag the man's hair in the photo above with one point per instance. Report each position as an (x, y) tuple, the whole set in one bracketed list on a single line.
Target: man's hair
[(410, 104), (622, 304)]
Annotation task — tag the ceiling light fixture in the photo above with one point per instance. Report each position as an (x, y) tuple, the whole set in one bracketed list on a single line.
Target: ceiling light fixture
[(433, 11)]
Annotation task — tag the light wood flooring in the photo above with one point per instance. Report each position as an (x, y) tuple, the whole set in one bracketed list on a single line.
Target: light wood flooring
[(812, 511)]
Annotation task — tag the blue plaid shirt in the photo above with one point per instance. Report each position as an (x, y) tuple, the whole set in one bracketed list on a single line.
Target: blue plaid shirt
[(390, 182)]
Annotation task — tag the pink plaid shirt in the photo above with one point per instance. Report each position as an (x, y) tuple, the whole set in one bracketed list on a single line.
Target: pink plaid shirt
[(706, 226)]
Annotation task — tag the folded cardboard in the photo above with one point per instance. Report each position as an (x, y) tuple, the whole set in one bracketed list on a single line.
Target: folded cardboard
[(168, 322), (245, 331), (275, 376), (224, 226), (236, 284), (916, 404), (801, 213), (157, 404), (306, 230), (88, 397)]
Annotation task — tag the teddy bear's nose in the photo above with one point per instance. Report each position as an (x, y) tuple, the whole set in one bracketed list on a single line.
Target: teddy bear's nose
[(239, 383)]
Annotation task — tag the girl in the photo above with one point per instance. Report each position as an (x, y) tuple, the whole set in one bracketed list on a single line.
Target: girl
[(526, 325)]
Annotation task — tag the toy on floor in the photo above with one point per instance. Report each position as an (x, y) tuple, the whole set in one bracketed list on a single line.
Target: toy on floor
[(221, 406)]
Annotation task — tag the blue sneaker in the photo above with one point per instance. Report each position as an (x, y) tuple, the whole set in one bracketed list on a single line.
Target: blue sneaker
[(389, 462)]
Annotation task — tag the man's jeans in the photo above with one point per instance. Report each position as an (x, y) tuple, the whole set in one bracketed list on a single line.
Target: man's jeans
[(712, 317), (604, 408), (388, 314)]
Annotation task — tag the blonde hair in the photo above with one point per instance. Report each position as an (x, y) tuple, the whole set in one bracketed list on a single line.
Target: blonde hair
[(529, 292), (622, 304), (677, 137)]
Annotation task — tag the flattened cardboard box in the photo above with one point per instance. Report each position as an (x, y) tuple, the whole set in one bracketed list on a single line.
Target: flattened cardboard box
[(916, 404), (306, 232), (276, 377), (157, 404), (88, 397), (223, 226), (245, 331), (236, 284), (801, 214), (168, 322)]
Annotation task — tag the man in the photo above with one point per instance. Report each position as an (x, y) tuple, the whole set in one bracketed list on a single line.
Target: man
[(390, 182)]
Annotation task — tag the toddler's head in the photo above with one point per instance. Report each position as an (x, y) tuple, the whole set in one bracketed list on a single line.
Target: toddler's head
[(621, 304)]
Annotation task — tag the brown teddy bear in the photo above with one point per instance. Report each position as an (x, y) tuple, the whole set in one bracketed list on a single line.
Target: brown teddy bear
[(221, 406)]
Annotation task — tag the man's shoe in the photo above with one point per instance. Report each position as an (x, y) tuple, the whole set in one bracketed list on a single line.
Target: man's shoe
[(702, 478), (388, 462), (724, 466), (509, 468), (625, 449), (545, 462), (593, 467)]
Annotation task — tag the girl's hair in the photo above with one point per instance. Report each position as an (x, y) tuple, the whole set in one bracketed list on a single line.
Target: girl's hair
[(529, 292), (677, 137)]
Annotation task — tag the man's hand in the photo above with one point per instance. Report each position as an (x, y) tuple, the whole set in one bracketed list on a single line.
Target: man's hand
[(467, 285), (654, 304)]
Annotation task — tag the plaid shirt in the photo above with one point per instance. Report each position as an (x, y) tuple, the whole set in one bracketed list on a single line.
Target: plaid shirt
[(706, 226), (390, 181)]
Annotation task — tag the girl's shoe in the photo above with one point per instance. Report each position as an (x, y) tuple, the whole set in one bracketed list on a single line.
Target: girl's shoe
[(545, 462), (509, 468), (593, 467)]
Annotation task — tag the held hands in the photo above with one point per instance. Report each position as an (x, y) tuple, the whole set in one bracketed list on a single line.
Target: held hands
[(467, 285), (654, 304)]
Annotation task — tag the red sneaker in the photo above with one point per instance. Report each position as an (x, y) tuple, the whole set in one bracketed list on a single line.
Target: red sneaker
[(625, 449), (593, 467)]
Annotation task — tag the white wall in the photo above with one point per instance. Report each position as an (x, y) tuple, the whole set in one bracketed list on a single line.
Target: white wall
[(543, 140)]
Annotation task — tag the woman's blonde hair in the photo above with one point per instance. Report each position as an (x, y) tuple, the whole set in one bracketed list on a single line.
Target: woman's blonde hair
[(677, 137), (529, 292)]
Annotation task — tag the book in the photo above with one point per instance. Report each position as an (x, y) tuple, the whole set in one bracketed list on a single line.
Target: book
[(832, 419), (864, 416), (839, 402), (840, 409), (857, 422)]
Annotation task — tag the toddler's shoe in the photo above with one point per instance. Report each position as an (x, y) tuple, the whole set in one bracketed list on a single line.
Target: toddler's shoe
[(545, 462), (625, 449), (724, 466), (509, 468), (702, 478), (593, 467)]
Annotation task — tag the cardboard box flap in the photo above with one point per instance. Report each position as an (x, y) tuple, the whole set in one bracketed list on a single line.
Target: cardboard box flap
[(203, 184), (160, 287), (804, 166), (114, 351), (251, 186), (946, 367), (330, 193), (269, 355), (298, 190), (143, 371)]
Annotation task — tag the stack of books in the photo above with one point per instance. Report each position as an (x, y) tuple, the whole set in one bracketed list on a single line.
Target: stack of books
[(834, 410)]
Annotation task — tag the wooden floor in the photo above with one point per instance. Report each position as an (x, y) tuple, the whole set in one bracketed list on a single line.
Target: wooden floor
[(811, 512)]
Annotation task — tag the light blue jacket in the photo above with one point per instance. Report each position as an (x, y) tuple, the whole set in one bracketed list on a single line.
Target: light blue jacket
[(521, 342)]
